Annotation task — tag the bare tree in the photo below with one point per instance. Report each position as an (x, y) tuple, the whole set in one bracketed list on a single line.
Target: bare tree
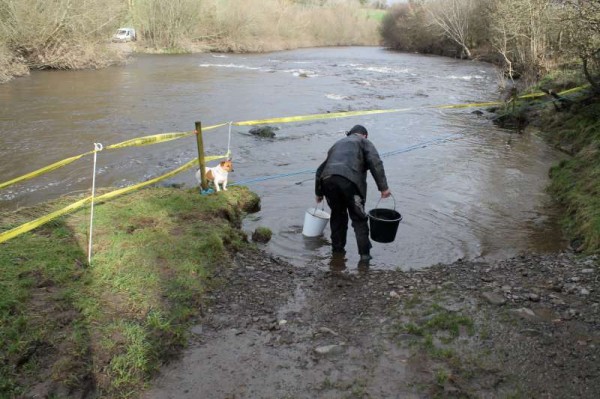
[(521, 35), (582, 22), (452, 16)]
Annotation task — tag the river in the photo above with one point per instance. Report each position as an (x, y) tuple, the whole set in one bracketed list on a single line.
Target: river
[(465, 188)]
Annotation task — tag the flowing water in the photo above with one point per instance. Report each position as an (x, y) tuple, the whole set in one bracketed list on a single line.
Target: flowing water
[(465, 188)]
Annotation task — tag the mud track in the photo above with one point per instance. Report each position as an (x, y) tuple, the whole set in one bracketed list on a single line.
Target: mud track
[(525, 327)]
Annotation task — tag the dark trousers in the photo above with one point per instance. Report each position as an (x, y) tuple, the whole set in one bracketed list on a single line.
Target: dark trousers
[(344, 200)]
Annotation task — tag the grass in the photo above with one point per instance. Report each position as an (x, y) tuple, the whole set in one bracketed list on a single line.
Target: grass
[(262, 234), (375, 14), (575, 182), (437, 320), (108, 327), (433, 331)]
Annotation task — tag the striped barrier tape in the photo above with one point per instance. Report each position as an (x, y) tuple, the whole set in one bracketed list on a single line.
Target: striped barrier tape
[(24, 228)]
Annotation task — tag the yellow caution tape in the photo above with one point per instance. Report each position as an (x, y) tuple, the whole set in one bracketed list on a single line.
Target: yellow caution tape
[(562, 93), (157, 138), (7, 235), (24, 228), (43, 170), (147, 140), (573, 90), (332, 115), (467, 105)]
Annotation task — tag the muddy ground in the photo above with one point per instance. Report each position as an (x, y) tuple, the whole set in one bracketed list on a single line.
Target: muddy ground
[(526, 327)]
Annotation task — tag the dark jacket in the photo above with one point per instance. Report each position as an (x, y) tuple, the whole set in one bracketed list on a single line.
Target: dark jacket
[(351, 157)]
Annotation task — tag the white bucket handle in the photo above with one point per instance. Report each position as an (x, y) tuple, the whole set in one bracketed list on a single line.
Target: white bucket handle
[(315, 208)]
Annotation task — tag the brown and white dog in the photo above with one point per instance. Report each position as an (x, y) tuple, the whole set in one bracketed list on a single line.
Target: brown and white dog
[(218, 174)]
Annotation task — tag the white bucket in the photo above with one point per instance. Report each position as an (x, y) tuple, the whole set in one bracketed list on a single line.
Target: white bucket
[(315, 221)]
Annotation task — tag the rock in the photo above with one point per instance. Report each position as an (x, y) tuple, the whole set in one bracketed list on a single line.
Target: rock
[(197, 329), (264, 131), (533, 297), (328, 350), (326, 330), (524, 313), (448, 284), (530, 332), (262, 235), (494, 298)]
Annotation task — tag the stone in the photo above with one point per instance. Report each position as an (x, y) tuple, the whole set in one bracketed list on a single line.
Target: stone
[(524, 313), (494, 298), (264, 131), (533, 297), (328, 350)]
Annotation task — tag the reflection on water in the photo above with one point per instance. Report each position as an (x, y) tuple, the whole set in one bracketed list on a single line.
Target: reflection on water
[(311, 244), (479, 194)]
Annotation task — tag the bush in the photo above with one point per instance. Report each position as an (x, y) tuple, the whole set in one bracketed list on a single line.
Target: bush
[(59, 34)]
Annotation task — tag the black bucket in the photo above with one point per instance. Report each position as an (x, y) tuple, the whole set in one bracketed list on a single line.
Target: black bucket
[(383, 223)]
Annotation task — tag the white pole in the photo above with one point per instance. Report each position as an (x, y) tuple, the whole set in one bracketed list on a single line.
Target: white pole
[(97, 147), (229, 141)]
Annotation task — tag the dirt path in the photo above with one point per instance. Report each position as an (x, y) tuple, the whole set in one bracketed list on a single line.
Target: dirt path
[(525, 327)]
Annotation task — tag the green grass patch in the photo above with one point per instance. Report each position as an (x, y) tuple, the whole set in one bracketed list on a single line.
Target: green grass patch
[(438, 319), (575, 182), (114, 321), (375, 14)]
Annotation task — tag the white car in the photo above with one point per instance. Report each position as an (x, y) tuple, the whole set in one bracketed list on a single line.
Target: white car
[(124, 35)]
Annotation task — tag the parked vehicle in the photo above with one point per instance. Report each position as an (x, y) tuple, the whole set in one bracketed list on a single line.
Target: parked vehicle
[(124, 35)]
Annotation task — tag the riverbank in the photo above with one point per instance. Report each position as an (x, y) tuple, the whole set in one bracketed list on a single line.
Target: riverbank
[(252, 26), (526, 327), (570, 123), (172, 269), (74, 330)]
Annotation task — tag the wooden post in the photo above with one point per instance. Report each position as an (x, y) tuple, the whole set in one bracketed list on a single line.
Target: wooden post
[(201, 162)]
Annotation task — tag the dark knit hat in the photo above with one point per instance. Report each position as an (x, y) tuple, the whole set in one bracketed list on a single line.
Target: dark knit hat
[(360, 129)]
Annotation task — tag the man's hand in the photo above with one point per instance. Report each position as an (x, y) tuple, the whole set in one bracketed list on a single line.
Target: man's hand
[(319, 199), (386, 193)]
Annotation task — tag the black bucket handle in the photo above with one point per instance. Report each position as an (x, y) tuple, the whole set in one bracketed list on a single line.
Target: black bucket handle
[(380, 198)]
